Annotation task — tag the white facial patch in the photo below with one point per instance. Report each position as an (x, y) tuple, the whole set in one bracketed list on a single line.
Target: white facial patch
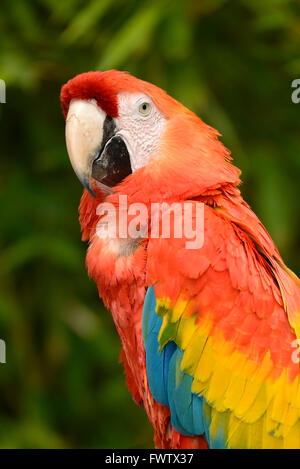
[(141, 126)]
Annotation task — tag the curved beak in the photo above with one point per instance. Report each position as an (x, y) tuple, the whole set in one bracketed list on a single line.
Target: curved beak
[(84, 133), (94, 149)]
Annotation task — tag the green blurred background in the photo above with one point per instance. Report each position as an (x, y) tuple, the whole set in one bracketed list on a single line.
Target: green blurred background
[(232, 62)]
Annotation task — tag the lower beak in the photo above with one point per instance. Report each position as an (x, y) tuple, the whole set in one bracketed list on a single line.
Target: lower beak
[(94, 149)]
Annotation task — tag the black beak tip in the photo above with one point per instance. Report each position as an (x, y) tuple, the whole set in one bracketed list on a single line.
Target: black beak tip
[(91, 191), (86, 182)]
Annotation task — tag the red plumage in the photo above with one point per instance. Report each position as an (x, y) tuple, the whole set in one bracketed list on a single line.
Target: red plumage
[(237, 280)]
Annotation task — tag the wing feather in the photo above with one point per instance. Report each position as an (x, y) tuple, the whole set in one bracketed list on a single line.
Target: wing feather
[(228, 313)]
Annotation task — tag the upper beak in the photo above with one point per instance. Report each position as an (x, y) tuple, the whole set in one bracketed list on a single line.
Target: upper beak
[(94, 149), (84, 133)]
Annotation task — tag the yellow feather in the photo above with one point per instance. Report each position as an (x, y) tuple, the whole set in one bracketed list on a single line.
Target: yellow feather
[(185, 331), (206, 362), (178, 309), (219, 382)]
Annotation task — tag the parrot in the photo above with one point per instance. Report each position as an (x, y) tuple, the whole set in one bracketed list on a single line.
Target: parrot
[(209, 334)]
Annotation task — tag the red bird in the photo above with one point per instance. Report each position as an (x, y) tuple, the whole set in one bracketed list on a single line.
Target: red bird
[(209, 325)]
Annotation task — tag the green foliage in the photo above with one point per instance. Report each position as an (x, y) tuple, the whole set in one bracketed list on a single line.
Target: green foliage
[(233, 64)]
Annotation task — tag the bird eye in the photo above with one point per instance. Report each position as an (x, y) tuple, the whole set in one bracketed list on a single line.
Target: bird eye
[(144, 108)]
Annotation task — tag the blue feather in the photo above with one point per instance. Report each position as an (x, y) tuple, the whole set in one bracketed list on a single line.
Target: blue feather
[(198, 422), (157, 363), (175, 418), (169, 384), (149, 313)]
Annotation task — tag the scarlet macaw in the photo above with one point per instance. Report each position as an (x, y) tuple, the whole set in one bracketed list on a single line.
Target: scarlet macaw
[(209, 335)]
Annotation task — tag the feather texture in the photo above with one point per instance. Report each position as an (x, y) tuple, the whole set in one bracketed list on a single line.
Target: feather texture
[(209, 351), (234, 352)]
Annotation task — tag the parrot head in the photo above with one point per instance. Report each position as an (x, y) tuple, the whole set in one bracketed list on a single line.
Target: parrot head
[(122, 130)]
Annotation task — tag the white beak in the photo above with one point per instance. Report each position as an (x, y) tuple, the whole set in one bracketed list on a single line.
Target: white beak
[(84, 134)]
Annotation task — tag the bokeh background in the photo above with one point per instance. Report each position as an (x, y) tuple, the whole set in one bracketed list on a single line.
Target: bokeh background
[(232, 62)]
